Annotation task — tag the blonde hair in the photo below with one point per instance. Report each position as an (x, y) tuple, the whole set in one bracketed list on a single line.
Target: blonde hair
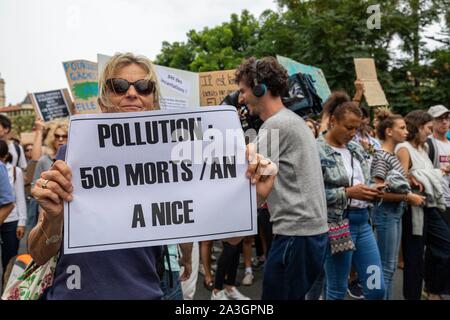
[(120, 60), (52, 126)]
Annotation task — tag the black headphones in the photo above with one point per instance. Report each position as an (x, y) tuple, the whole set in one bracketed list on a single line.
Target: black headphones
[(259, 89)]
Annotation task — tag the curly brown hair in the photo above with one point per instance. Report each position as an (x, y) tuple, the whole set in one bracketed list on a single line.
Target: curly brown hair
[(266, 71)]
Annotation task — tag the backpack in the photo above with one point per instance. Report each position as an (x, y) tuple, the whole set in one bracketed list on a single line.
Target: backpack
[(17, 147), (431, 150), (302, 97), (160, 267)]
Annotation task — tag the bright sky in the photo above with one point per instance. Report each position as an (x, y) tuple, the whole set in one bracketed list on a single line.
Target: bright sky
[(37, 36)]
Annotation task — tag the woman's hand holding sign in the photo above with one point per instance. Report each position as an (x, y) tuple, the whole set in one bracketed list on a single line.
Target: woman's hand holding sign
[(53, 188)]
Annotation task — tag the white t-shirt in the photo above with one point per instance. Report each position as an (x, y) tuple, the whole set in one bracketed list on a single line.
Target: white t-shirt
[(19, 213), (21, 161), (443, 150), (356, 172)]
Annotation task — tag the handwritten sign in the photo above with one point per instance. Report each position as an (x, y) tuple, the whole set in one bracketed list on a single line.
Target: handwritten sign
[(215, 86), (162, 177), (26, 137), (367, 73), (51, 104), (82, 78)]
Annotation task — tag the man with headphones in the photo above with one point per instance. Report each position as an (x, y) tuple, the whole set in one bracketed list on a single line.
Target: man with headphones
[(297, 202)]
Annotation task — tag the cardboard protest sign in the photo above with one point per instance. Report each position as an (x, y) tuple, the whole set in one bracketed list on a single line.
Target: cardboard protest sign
[(320, 82), (179, 88), (51, 105), (82, 78), (159, 177), (367, 73), (215, 86), (26, 138)]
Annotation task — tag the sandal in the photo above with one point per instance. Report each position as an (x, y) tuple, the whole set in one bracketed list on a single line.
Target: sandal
[(208, 286)]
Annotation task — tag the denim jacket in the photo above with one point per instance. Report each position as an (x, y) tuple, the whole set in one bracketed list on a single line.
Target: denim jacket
[(336, 178)]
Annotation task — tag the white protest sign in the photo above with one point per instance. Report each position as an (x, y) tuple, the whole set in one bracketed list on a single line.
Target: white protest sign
[(172, 81), (159, 177)]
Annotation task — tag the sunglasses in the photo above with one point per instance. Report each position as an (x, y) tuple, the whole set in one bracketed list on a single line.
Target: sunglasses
[(143, 87), (60, 136)]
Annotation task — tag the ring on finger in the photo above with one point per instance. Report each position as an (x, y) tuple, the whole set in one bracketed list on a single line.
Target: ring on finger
[(44, 184)]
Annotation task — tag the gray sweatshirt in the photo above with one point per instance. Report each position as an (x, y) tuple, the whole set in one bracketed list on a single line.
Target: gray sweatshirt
[(297, 202)]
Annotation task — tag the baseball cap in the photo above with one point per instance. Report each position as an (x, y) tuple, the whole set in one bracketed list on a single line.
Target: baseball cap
[(437, 111)]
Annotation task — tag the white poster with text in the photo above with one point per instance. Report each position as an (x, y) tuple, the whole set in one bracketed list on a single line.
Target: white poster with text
[(159, 177)]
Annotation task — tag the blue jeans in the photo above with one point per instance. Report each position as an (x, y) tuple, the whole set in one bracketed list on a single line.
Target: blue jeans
[(9, 242), (318, 286), (293, 264), (366, 260), (175, 292), (387, 219)]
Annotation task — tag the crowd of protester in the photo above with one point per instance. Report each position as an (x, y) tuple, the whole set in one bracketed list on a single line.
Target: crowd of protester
[(352, 201)]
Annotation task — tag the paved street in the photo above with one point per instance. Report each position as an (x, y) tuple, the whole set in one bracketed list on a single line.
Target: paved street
[(254, 291)]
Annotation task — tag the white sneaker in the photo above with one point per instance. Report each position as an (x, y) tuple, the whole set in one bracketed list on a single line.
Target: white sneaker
[(219, 295), (234, 294), (248, 279)]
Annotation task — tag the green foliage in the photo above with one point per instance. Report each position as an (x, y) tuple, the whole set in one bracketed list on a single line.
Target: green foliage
[(219, 48), (329, 34), (22, 123)]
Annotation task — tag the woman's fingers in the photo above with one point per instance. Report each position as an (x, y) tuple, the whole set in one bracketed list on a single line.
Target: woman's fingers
[(41, 194), (55, 188), (56, 177)]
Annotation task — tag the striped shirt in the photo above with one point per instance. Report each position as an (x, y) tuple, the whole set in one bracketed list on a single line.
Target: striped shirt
[(383, 162)]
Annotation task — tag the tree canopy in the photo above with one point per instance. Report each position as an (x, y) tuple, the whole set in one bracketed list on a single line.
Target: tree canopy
[(328, 34)]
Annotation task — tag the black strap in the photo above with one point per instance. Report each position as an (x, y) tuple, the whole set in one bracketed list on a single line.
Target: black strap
[(166, 254), (16, 146), (431, 150), (349, 200)]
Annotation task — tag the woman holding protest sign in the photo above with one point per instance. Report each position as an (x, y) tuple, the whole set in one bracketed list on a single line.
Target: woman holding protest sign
[(127, 84)]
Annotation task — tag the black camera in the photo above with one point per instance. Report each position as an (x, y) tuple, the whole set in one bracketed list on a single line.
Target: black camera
[(247, 120)]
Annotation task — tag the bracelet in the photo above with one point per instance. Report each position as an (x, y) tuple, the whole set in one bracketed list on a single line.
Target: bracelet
[(53, 239)]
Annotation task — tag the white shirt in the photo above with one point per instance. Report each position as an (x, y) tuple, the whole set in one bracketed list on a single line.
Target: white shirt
[(443, 150), (354, 170), (19, 213), (21, 161)]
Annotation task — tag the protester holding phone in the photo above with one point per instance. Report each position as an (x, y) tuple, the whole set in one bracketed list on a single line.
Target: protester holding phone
[(346, 171)]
